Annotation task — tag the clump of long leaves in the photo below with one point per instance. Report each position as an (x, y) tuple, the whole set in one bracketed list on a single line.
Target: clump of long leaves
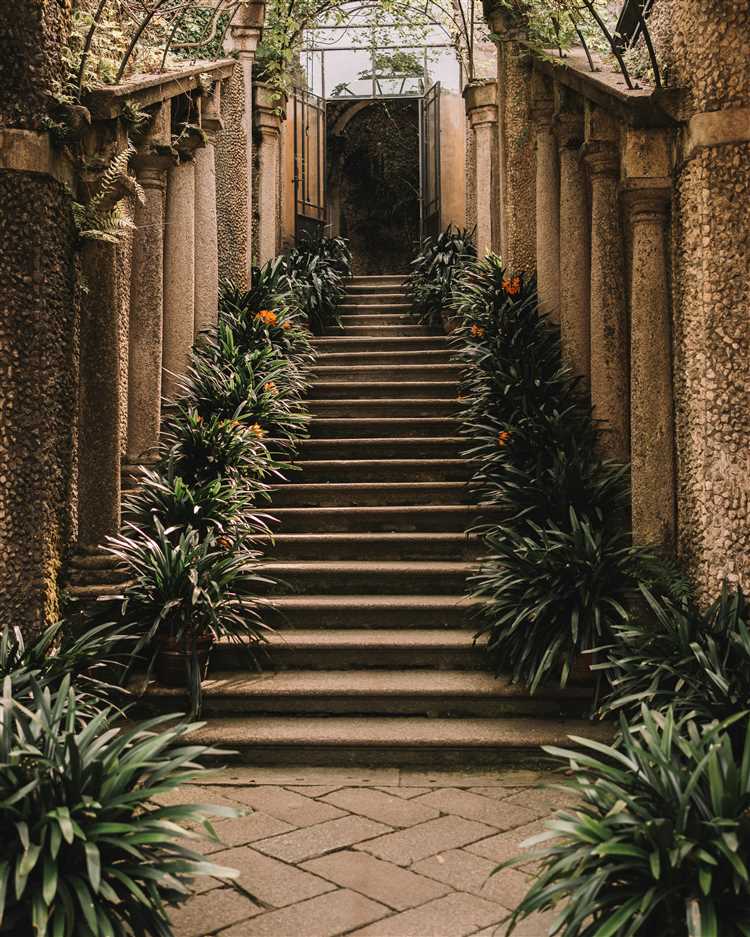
[(430, 282), (316, 273), (675, 655), (660, 843), (560, 569), (84, 850), (184, 586), (93, 656)]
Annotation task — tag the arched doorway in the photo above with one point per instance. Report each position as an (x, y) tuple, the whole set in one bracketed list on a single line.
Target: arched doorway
[(373, 180)]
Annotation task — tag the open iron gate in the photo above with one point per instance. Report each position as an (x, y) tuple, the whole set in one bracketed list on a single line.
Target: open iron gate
[(309, 163), (429, 162)]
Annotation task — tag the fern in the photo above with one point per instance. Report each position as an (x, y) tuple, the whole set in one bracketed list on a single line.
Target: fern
[(102, 218)]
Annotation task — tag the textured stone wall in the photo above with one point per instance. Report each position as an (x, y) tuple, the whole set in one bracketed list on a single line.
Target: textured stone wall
[(711, 301), (124, 267), (470, 179), (231, 180), (38, 367)]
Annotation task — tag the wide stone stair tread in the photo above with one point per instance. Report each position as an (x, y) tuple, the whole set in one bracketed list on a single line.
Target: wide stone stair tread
[(383, 371), (383, 470), (361, 545), (378, 740), (383, 447), (384, 407), (393, 518), (325, 427), (333, 390), (372, 494)]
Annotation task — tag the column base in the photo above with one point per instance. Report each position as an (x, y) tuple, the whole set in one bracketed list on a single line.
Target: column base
[(132, 472), (92, 575)]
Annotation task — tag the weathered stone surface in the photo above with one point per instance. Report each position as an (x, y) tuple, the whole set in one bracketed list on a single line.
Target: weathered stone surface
[(452, 916), (209, 913), (381, 881), (507, 845), (466, 872), (321, 838), (407, 846), (326, 916), (475, 807), (382, 807), (245, 830), (287, 805), (272, 882)]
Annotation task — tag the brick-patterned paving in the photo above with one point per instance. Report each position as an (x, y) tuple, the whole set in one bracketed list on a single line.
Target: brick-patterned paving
[(387, 852)]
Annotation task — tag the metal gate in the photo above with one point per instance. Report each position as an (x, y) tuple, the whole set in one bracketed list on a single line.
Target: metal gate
[(309, 163), (429, 162)]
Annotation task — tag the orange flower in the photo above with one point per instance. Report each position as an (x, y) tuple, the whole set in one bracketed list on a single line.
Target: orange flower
[(502, 438), (224, 542), (257, 430), (286, 324), (267, 317), (477, 331), (512, 286), (199, 419), (270, 388)]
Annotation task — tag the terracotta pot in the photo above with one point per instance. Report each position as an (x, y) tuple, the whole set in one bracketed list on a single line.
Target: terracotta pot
[(171, 659)]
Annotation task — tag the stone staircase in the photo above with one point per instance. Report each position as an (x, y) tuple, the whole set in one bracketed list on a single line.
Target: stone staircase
[(374, 659)]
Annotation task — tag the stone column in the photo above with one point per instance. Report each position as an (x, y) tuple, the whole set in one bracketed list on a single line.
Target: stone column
[(547, 201), (269, 113), (237, 147), (574, 241), (609, 320), (206, 293), (179, 275), (651, 404), (147, 304), (481, 111), (99, 399), (517, 175)]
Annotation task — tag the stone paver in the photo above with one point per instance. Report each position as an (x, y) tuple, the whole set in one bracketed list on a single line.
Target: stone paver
[(454, 915), (220, 908), (506, 846), (323, 852), (243, 830), (406, 792), (467, 872), (318, 840), (326, 916), (417, 842), (474, 807), (394, 811), (270, 881), (289, 806), (381, 881)]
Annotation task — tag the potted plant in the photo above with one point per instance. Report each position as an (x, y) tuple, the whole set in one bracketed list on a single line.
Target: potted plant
[(185, 592)]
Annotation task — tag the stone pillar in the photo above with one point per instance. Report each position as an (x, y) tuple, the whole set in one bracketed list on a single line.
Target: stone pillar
[(574, 251), (206, 293), (651, 404), (481, 112), (547, 201), (236, 149), (99, 399), (147, 300), (609, 321), (269, 113), (516, 162), (179, 275)]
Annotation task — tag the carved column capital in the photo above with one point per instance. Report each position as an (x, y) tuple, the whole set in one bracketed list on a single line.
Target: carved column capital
[(602, 157), (569, 130), (647, 199)]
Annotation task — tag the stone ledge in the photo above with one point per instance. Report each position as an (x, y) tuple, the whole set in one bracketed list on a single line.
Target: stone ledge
[(105, 103), (718, 128), (32, 151)]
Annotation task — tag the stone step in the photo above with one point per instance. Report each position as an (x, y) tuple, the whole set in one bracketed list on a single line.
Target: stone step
[(382, 470), (351, 577), (406, 740), (370, 611), (357, 649), (337, 343), (377, 368), (377, 318), (374, 546), (346, 494), (371, 297), (381, 518), (357, 427), (440, 447), (376, 279), (380, 331), (360, 309), (368, 407), (377, 390), (409, 692)]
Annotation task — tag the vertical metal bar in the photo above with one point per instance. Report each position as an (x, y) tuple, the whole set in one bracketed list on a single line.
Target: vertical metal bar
[(323, 75), (437, 155), (319, 148), (420, 131), (295, 131)]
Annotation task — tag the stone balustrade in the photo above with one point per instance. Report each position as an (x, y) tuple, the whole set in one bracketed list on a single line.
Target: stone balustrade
[(621, 176)]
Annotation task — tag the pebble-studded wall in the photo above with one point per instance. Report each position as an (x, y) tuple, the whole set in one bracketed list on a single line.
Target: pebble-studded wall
[(231, 182)]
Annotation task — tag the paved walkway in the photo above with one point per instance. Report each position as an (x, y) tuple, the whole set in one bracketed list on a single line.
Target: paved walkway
[(381, 853)]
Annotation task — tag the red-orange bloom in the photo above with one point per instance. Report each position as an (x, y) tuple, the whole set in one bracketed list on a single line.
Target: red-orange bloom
[(512, 285), (502, 438), (477, 331), (267, 317)]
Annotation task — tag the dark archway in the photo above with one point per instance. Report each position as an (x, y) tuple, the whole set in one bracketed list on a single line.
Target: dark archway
[(373, 181)]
